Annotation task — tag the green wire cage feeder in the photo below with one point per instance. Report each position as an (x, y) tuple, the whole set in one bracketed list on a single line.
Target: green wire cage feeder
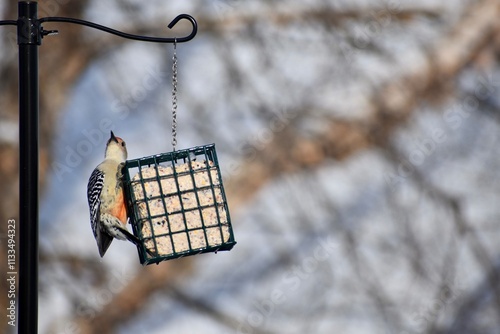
[(177, 205)]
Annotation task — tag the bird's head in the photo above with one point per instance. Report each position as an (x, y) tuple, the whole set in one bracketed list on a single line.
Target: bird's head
[(116, 149)]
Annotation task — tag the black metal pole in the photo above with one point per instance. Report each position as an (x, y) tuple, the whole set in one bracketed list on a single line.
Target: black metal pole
[(29, 38)]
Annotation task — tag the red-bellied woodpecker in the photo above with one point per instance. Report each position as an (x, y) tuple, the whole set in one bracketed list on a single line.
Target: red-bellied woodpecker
[(108, 214)]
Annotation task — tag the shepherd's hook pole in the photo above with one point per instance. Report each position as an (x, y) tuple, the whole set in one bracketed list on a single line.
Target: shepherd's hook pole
[(29, 38)]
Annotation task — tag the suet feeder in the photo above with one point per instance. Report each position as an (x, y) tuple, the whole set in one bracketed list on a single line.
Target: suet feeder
[(177, 205)]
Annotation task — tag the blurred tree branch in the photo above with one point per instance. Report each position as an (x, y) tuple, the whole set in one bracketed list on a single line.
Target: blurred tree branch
[(327, 15), (130, 300), (391, 106), (465, 231), (206, 309), (289, 152)]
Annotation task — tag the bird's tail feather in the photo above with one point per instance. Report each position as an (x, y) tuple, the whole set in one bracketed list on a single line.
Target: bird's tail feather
[(132, 238), (103, 241)]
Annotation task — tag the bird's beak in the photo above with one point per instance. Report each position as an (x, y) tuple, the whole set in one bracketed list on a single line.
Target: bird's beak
[(113, 137)]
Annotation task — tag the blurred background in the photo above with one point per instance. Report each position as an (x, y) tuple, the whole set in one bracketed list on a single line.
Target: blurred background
[(358, 141)]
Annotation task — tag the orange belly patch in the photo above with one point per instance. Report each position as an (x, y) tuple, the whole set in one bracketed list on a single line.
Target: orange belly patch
[(120, 211)]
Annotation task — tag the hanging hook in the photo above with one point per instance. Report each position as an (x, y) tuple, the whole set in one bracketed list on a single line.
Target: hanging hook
[(131, 36), (193, 23)]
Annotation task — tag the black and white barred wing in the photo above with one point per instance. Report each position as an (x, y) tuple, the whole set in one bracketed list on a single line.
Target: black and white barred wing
[(94, 190)]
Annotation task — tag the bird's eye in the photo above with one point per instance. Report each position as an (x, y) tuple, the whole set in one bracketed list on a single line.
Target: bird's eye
[(123, 143)]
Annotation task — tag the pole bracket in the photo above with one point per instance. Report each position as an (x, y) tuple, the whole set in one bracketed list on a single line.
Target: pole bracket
[(28, 31)]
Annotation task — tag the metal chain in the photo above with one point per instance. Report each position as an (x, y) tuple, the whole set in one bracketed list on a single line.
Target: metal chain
[(174, 97)]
